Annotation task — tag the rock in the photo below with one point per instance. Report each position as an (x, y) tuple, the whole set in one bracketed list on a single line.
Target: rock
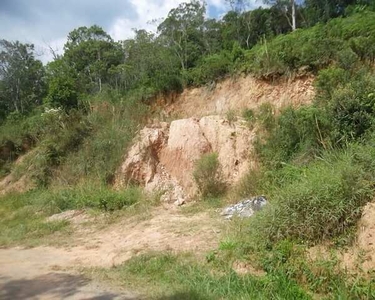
[(245, 208), (142, 159), (73, 216), (162, 158)]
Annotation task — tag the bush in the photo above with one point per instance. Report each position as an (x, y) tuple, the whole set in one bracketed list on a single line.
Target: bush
[(295, 133), (324, 201), (352, 109), (327, 81), (340, 40), (210, 68), (208, 175), (113, 126)]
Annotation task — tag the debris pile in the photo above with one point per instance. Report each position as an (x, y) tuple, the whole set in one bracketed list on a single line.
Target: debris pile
[(245, 208)]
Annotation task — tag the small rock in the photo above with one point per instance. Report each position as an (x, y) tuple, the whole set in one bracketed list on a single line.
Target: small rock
[(245, 208)]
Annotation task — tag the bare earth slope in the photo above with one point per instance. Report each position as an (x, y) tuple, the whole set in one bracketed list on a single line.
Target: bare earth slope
[(239, 93)]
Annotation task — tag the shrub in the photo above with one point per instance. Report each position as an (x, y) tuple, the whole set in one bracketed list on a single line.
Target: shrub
[(328, 81), (248, 115), (231, 116), (351, 107), (266, 116), (324, 201), (340, 40), (210, 68), (113, 127), (208, 175), (305, 130)]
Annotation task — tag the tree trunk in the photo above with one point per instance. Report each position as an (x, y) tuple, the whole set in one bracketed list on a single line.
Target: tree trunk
[(293, 15)]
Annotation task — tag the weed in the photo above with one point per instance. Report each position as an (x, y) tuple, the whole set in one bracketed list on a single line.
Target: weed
[(208, 176), (231, 116)]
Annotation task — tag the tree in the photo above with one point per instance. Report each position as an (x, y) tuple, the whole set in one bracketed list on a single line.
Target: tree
[(21, 77), (288, 7), (92, 53), (182, 31), (148, 65), (322, 10), (63, 88)]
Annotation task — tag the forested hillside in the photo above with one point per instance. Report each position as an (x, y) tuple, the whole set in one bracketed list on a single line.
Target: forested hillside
[(65, 127)]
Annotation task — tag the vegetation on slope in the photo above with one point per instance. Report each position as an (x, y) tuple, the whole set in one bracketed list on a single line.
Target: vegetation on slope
[(76, 117)]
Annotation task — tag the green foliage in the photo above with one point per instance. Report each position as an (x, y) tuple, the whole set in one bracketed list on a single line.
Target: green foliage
[(111, 201), (21, 78), (176, 277), (248, 115), (327, 81), (61, 134), (296, 132), (91, 52), (20, 221), (210, 68), (352, 108), (208, 175), (63, 89), (312, 48), (318, 201), (181, 31), (113, 125), (23, 216)]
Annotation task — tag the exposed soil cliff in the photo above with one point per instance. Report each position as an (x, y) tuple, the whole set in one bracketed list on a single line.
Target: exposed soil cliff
[(237, 94), (163, 155)]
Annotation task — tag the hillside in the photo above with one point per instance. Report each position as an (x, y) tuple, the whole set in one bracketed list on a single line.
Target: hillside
[(122, 177)]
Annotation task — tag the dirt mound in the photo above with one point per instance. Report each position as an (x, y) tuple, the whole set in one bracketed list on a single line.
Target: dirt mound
[(12, 183), (162, 157), (362, 254), (237, 94)]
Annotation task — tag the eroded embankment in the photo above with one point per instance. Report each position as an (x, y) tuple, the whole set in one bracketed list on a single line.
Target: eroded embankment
[(238, 93), (163, 155)]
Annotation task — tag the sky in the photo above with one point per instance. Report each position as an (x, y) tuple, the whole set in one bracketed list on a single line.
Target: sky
[(46, 23)]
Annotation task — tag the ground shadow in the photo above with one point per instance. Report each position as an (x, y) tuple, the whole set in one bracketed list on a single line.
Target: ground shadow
[(56, 285), (189, 295)]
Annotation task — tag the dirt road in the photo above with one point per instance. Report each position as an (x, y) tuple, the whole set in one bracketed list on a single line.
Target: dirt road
[(52, 273), (38, 274)]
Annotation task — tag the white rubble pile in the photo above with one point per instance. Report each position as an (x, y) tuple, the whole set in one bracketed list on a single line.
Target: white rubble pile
[(245, 208)]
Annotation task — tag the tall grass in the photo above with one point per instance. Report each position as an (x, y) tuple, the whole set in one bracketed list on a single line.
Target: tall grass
[(113, 126), (23, 216), (181, 277)]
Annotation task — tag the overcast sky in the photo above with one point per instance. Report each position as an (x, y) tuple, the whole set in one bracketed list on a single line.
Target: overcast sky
[(48, 22)]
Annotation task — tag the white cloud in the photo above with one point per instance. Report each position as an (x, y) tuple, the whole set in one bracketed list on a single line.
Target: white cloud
[(46, 24), (149, 15)]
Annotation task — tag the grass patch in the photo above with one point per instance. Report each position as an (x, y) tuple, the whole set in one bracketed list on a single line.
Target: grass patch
[(23, 216), (289, 275), (166, 276), (208, 176), (314, 202), (23, 222)]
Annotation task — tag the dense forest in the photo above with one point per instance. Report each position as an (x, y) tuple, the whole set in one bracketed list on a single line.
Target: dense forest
[(76, 116)]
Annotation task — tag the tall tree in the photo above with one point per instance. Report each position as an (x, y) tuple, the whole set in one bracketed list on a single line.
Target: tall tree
[(92, 52), (182, 31), (21, 77), (288, 7)]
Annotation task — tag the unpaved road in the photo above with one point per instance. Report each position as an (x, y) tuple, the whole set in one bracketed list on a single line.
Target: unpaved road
[(51, 273), (37, 274)]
